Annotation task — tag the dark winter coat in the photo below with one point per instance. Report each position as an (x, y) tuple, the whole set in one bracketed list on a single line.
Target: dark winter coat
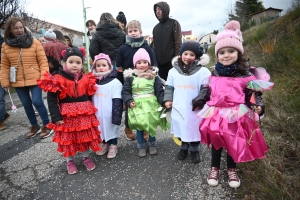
[(204, 95), (126, 53), (108, 39), (127, 90), (167, 36)]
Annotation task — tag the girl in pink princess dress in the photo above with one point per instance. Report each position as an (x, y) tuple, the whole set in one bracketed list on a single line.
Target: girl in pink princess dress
[(230, 104)]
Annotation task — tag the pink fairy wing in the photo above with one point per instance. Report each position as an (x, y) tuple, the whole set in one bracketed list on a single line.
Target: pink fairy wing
[(260, 73)]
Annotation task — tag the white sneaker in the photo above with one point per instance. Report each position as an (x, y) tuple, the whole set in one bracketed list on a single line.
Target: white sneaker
[(233, 179), (113, 149), (103, 150), (213, 176)]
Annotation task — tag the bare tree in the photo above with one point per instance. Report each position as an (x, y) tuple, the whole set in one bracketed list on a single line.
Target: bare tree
[(34, 23), (295, 4), (8, 9)]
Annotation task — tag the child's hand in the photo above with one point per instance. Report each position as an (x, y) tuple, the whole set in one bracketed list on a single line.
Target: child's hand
[(168, 104), (132, 104), (59, 122), (257, 109)]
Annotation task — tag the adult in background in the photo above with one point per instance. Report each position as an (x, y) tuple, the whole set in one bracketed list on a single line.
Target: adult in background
[(122, 19), (167, 41), (108, 38), (60, 36), (53, 49), (3, 114), (69, 41), (91, 26), (24, 52)]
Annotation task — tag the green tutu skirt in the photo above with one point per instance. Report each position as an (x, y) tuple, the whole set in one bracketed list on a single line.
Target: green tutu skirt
[(145, 117)]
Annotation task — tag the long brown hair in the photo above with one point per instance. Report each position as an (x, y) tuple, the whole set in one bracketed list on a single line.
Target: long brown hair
[(107, 17), (9, 24)]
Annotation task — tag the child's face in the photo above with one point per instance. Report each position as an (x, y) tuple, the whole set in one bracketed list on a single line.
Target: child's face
[(188, 57), (74, 64), (134, 32), (142, 65), (102, 65), (227, 56)]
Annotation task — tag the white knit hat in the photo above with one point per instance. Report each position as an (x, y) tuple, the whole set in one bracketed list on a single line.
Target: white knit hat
[(50, 35)]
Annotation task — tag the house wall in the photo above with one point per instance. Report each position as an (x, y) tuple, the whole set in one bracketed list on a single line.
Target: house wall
[(266, 15), (210, 38)]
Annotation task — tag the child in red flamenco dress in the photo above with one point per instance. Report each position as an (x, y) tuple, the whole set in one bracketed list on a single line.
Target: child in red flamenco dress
[(72, 113)]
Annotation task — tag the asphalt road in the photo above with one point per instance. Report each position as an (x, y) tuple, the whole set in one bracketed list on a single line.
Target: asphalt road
[(32, 169)]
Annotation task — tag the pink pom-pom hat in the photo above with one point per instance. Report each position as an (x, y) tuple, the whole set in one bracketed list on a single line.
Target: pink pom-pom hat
[(230, 37), (141, 54)]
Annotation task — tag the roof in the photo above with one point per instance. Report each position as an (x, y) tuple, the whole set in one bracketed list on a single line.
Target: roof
[(186, 33), (266, 10)]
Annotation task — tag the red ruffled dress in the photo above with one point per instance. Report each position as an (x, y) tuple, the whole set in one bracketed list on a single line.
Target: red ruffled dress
[(79, 132)]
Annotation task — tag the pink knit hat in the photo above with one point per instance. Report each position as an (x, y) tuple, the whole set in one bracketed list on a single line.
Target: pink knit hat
[(102, 56), (141, 54), (230, 37)]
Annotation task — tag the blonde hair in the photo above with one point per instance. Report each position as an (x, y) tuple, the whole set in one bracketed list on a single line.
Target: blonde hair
[(134, 24)]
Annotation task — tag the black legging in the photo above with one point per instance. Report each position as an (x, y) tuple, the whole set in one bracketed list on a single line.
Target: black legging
[(164, 69), (216, 158)]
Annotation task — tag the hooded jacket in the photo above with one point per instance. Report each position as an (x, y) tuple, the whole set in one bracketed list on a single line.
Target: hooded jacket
[(107, 39), (167, 36)]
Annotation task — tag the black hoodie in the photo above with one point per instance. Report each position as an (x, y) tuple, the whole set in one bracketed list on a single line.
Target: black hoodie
[(167, 36)]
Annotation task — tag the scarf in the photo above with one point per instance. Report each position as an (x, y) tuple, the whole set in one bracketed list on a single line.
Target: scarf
[(76, 75), (148, 74), (134, 42), (226, 70), (22, 41), (101, 75)]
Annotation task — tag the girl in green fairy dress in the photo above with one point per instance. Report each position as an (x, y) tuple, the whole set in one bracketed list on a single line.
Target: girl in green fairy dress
[(143, 94)]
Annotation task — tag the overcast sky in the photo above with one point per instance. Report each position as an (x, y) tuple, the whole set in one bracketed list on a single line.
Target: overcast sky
[(200, 16)]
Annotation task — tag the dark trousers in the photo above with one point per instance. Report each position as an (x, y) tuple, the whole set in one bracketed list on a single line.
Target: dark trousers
[(164, 70), (216, 158)]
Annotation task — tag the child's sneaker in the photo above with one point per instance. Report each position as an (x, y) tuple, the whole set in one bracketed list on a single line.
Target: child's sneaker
[(142, 153), (152, 150), (113, 149), (129, 134), (72, 169), (182, 154), (195, 156), (213, 176), (233, 178), (89, 164), (104, 149)]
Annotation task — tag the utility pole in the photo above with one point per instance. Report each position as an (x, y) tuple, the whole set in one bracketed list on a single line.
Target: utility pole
[(86, 39)]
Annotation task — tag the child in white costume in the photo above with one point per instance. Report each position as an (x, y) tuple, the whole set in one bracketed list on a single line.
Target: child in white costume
[(109, 102), (183, 84)]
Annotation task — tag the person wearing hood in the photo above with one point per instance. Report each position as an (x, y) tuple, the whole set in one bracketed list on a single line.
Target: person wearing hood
[(108, 38), (69, 40), (167, 41), (108, 101)]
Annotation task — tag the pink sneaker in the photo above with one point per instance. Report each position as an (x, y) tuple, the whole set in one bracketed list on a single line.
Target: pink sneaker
[(72, 169), (113, 149), (103, 150), (89, 164)]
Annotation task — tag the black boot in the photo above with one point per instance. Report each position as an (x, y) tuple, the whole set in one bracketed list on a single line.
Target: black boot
[(195, 156), (182, 154)]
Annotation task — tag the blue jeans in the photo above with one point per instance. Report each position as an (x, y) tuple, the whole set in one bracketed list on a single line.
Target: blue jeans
[(140, 137), (113, 141), (36, 99), (2, 103)]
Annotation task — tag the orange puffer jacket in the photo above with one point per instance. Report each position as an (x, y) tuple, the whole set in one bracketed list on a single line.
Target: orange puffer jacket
[(32, 65)]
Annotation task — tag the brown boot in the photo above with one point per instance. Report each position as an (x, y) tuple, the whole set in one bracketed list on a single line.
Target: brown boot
[(129, 134), (33, 131), (146, 136), (46, 132), (2, 126)]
